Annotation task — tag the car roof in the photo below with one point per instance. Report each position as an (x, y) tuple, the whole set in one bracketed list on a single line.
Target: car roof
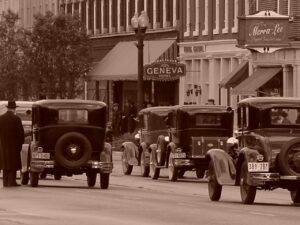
[(68, 103), (270, 102), (155, 109), (201, 108)]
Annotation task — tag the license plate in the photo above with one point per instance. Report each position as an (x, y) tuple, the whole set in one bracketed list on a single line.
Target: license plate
[(40, 155), (258, 167), (177, 155)]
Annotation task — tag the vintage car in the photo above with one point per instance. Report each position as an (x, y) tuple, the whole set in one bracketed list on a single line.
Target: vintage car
[(151, 124), (267, 150), (193, 130), (68, 138)]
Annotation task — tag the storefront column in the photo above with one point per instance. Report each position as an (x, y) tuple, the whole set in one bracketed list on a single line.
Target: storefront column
[(80, 8), (182, 91), (296, 83), (87, 9), (287, 81), (95, 31)]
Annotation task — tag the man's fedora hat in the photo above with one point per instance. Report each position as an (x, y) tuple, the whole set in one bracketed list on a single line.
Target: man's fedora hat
[(11, 105)]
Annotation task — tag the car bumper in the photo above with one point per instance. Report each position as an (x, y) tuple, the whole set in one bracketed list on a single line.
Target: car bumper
[(40, 165), (194, 162), (259, 179)]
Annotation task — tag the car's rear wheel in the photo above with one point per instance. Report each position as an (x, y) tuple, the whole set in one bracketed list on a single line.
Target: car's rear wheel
[(73, 150), (24, 178), (289, 158), (154, 171), (247, 191), (173, 170), (91, 179), (214, 188), (295, 195), (57, 176), (181, 173), (145, 169), (43, 175), (127, 169), (200, 173), (34, 179), (104, 180)]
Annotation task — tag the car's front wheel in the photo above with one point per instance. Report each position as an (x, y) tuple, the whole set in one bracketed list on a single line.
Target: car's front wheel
[(145, 169), (127, 169), (34, 179), (104, 180), (154, 171), (91, 179), (200, 173), (173, 171), (295, 195), (24, 178), (57, 176), (248, 192), (214, 188)]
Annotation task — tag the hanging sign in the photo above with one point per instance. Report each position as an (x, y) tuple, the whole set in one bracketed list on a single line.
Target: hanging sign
[(265, 29), (164, 70)]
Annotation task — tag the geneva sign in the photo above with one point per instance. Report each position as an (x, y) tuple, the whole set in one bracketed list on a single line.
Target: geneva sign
[(164, 70), (264, 29)]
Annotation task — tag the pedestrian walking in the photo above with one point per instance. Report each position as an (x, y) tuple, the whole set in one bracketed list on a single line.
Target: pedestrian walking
[(11, 140)]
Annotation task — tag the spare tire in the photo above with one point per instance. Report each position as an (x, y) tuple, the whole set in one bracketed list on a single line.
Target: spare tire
[(289, 158), (73, 150)]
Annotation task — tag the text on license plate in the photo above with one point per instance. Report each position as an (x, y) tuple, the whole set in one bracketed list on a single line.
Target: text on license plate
[(179, 155), (258, 167), (40, 155)]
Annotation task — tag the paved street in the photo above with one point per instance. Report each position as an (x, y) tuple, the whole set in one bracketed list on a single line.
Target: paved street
[(136, 200)]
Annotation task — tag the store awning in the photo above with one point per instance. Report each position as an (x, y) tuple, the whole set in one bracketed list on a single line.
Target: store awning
[(236, 76), (255, 81), (121, 63)]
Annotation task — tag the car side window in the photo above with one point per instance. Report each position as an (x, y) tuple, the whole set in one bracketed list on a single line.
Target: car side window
[(243, 118)]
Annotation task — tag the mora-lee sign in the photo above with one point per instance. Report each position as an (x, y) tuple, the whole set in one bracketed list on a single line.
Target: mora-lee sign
[(264, 29), (164, 70)]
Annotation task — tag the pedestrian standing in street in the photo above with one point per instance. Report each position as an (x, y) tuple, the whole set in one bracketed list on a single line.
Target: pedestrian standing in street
[(116, 120), (11, 140)]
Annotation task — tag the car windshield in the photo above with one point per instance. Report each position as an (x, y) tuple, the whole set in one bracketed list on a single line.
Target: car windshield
[(285, 116)]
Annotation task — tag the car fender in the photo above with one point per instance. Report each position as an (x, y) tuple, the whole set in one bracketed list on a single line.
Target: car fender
[(224, 166), (130, 152), (106, 154), (248, 155)]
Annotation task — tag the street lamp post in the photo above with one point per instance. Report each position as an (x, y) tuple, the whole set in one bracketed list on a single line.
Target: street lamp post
[(140, 24)]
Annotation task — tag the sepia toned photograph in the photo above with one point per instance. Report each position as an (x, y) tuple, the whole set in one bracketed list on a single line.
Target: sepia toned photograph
[(149, 112)]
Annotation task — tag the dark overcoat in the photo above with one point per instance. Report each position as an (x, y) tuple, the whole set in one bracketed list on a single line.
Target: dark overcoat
[(11, 140)]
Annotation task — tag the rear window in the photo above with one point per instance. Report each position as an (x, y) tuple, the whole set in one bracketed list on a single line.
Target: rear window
[(73, 116), (208, 119)]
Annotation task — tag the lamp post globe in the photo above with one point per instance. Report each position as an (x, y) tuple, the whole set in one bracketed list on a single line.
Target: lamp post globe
[(139, 25)]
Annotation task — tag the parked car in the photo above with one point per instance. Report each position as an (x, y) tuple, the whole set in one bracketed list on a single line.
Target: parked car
[(268, 150), (193, 130), (151, 124), (68, 138)]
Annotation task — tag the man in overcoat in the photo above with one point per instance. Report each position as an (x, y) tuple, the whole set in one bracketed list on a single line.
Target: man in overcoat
[(11, 140)]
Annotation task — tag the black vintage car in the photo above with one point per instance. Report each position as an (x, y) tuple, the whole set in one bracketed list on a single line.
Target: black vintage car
[(151, 124), (68, 138), (193, 130), (268, 150)]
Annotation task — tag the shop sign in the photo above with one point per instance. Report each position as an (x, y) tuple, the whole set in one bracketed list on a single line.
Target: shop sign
[(164, 70), (264, 29)]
